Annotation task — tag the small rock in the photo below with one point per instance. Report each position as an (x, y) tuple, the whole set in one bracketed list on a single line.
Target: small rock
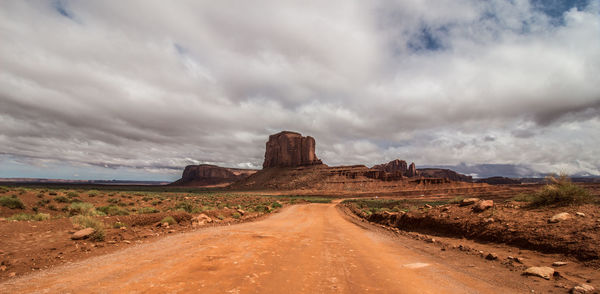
[(127, 241), (203, 218), (539, 271), (12, 275), (468, 201), (488, 220), (240, 211), (491, 256), (171, 231), (445, 208), (582, 288), (165, 224), (559, 263), (483, 205), (82, 234), (123, 228), (3, 268), (563, 216), (518, 259), (428, 206), (580, 214)]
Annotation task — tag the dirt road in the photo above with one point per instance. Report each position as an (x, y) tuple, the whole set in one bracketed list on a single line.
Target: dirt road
[(303, 249)]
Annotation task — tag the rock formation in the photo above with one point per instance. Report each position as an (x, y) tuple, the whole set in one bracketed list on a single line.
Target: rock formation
[(207, 174), (412, 171), (290, 149), (396, 165)]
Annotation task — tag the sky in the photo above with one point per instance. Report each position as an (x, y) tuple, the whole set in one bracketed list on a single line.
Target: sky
[(137, 90)]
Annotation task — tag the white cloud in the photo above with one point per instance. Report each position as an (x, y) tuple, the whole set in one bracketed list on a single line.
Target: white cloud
[(151, 85)]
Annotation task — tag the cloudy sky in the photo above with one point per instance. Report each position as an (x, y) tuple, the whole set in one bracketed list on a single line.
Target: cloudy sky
[(139, 89)]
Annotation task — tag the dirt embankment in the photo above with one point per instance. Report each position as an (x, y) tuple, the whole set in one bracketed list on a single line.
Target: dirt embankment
[(578, 236)]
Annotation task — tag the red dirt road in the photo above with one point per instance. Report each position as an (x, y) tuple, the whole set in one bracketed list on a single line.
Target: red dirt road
[(303, 249)]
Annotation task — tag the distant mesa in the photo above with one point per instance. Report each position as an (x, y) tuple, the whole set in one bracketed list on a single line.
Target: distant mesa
[(211, 175), (444, 173), (290, 149), (499, 181)]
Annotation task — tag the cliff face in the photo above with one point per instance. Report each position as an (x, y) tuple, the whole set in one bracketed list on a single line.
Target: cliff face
[(290, 149), (207, 175)]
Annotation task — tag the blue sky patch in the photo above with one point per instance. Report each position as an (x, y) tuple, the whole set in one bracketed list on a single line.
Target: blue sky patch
[(61, 8), (425, 40), (557, 8)]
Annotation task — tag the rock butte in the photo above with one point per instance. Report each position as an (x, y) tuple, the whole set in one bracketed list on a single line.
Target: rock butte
[(290, 149)]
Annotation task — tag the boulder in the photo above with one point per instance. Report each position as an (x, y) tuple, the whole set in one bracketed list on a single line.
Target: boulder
[(483, 205), (563, 216), (82, 234), (468, 201), (491, 256), (290, 149), (582, 289), (540, 271)]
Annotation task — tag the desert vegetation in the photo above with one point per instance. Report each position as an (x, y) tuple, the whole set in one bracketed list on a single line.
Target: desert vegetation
[(52, 215)]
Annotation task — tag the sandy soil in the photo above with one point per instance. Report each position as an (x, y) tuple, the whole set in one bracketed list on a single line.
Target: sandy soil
[(311, 248)]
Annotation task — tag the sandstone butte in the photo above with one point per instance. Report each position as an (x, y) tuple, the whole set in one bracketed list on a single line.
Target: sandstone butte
[(290, 149)]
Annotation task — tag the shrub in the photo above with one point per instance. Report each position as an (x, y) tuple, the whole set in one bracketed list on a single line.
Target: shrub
[(40, 195), (236, 215), (185, 206), (261, 208), (118, 225), (92, 193), (11, 202), (561, 191), (27, 217), (82, 208), (220, 216), (146, 198), (168, 219), (456, 200), (72, 195), (113, 200), (52, 207), (62, 199), (113, 210), (148, 210), (52, 194), (522, 197), (275, 205), (90, 222)]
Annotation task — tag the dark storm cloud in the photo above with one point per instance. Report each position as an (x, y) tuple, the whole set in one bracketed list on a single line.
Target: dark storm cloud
[(152, 86)]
